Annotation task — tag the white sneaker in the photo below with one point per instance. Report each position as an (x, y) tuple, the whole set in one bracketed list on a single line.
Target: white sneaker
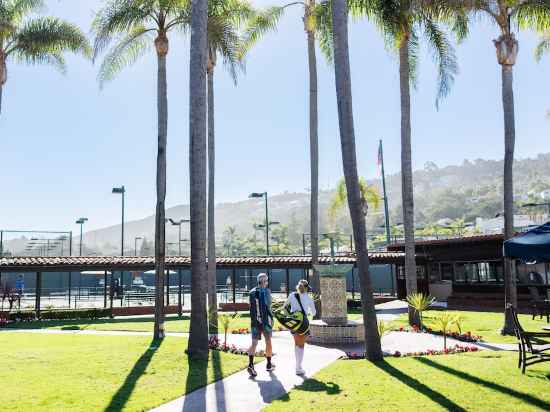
[(300, 371)]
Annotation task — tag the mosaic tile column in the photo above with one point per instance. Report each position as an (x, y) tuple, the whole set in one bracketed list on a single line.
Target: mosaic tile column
[(334, 300)]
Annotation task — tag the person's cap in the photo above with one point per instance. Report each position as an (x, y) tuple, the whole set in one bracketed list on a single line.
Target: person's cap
[(261, 276)]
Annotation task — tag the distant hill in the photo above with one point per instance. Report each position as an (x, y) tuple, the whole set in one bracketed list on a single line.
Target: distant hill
[(472, 189)]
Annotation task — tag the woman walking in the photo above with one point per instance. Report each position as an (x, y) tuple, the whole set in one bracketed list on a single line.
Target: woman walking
[(300, 301)]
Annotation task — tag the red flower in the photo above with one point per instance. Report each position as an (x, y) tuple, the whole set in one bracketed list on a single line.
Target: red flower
[(397, 354)]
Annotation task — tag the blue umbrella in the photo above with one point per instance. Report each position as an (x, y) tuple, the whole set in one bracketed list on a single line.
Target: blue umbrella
[(533, 245)]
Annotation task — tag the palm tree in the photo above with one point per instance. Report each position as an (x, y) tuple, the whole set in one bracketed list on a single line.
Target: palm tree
[(137, 25), (198, 337), (402, 22), (268, 21), (35, 40), (224, 20), (528, 14), (349, 160), (369, 196)]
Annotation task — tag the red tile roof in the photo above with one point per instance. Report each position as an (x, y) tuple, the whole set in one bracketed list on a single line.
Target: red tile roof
[(79, 263)]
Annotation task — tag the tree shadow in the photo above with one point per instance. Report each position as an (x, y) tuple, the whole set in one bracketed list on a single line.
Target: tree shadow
[(314, 385), (418, 386), (271, 389), (125, 391), (197, 377), (539, 403)]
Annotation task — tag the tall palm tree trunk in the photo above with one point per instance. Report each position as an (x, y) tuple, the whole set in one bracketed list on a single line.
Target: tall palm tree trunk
[(161, 43), (406, 173), (212, 298), (198, 332), (313, 155), (349, 160), (507, 49), (3, 75)]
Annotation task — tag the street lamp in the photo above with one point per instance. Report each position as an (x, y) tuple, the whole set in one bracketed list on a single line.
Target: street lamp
[(81, 222), (267, 223), (135, 244), (121, 190), (178, 223)]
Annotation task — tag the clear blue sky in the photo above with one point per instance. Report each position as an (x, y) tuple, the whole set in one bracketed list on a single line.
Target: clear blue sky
[(65, 143)]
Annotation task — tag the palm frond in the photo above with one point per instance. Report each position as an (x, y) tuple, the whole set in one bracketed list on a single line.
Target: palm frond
[(368, 193), (119, 16), (542, 47), (49, 35), (323, 29), (43, 57), (533, 14), (225, 40), (444, 56), (261, 24), (414, 60), (126, 52)]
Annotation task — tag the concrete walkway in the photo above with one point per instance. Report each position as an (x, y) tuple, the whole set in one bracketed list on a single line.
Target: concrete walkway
[(240, 393)]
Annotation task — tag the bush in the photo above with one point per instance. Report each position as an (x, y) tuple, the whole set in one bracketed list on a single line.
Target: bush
[(62, 314)]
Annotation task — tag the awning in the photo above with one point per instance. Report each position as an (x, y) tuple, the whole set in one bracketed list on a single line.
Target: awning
[(533, 245)]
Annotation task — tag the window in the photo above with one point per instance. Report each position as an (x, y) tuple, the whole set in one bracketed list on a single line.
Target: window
[(460, 272), (435, 276), (483, 271), (471, 272), (401, 272), (420, 272), (447, 271)]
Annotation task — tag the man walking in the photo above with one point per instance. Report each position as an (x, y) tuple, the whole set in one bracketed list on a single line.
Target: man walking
[(261, 320)]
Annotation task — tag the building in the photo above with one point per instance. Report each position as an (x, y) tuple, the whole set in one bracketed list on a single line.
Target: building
[(468, 271)]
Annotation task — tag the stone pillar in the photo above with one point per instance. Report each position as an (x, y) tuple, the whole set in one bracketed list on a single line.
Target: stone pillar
[(334, 300)]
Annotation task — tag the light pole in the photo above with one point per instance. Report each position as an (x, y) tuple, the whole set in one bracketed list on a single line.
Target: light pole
[(135, 244), (121, 190), (267, 222), (178, 223), (81, 222)]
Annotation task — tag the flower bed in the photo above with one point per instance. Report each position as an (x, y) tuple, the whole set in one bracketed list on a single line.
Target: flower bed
[(246, 331), (429, 352), (463, 337), (215, 344)]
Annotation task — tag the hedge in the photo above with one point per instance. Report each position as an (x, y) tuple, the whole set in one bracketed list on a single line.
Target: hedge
[(61, 314)]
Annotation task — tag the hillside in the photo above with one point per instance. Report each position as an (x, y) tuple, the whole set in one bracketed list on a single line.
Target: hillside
[(466, 191)]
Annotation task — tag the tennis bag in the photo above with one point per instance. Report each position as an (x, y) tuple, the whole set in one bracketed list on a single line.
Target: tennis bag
[(296, 322)]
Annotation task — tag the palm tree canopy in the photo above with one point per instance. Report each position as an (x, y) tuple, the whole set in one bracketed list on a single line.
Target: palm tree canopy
[(226, 18), (133, 25), (37, 40), (369, 195), (409, 20)]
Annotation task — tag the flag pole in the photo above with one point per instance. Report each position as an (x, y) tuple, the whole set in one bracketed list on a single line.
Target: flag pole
[(386, 210)]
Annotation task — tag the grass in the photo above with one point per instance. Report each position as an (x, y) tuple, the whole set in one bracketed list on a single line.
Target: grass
[(131, 324), (137, 324), (485, 324), (483, 381), (44, 372)]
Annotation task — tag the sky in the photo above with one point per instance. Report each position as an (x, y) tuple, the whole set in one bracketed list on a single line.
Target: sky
[(64, 143)]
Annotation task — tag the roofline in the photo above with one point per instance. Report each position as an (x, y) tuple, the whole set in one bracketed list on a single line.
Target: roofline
[(463, 239), (144, 263)]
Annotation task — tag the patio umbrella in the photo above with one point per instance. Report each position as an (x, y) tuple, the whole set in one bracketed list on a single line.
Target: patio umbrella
[(533, 245)]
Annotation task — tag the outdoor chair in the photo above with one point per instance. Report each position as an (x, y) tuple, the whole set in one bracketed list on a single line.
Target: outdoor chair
[(529, 354), (539, 305)]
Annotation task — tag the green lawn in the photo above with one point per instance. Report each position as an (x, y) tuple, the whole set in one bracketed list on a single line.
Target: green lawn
[(485, 324), (133, 324), (483, 381), (43, 372)]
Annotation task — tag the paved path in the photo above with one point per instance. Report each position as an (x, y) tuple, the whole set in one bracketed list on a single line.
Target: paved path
[(240, 393)]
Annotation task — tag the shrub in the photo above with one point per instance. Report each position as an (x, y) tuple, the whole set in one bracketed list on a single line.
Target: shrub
[(61, 314), (420, 302)]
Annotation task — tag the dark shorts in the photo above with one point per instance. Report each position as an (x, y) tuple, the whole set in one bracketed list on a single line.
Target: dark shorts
[(257, 332)]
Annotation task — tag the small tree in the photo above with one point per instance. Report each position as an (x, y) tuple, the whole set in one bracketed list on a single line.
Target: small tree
[(226, 320), (420, 302), (383, 328), (445, 321)]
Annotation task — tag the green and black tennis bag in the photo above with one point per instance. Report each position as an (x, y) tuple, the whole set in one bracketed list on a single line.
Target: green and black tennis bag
[(296, 322)]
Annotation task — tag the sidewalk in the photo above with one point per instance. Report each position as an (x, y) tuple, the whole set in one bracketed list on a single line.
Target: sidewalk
[(240, 393)]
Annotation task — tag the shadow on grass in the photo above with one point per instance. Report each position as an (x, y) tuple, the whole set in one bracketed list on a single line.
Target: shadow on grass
[(125, 391), (532, 400), (418, 386), (314, 385), (197, 377)]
